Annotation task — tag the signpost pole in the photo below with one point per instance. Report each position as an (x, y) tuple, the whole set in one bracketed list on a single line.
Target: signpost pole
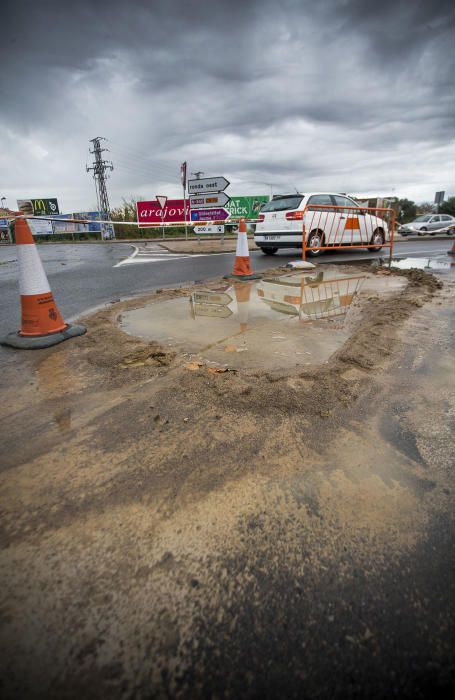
[(183, 181)]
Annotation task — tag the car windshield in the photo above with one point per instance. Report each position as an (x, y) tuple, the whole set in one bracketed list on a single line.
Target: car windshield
[(427, 217), (281, 203)]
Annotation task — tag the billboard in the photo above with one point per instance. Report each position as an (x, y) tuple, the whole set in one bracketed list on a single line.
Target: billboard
[(40, 227), (91, 227), (151, 212), (246, 206), (38, 207)]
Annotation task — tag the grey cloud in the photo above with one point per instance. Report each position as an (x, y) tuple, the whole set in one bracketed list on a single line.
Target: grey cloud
[(165, 77)]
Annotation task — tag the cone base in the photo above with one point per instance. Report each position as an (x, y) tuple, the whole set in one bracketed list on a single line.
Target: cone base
[(37, 342), (241, 277)]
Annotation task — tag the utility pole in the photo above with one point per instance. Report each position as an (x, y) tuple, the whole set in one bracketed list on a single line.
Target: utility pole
[(100, 167)]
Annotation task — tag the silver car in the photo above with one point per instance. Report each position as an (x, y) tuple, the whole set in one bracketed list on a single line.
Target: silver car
[(427, 223)]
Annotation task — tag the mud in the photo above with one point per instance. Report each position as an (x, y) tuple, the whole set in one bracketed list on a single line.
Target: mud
[(177, 532)]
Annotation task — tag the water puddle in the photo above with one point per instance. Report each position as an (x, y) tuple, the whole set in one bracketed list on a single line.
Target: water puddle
[(441, 263), (284, 321)]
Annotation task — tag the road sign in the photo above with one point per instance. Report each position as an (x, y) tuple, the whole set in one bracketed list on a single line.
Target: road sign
[(207, 184), (220, 298), (202, 201), (246, 206), (37, 207), (217, 214), (151, 212), (212, 310), (183, 174), (210, 230), (161, 199), (439, 197)]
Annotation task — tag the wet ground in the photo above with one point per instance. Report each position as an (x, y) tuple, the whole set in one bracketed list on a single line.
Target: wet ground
[(173, 531)]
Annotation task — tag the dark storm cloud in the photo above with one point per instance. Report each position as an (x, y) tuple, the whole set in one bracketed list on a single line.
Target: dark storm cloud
[(254, 83)]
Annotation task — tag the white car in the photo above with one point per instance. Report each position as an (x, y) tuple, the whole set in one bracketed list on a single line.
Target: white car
[(326, 221)]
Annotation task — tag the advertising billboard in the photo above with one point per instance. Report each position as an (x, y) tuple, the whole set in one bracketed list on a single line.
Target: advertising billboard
[(40, 206), (246, 206), (151, 212)]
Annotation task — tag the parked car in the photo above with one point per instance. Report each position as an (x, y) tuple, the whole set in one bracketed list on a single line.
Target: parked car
[(427, 223), (280, 223)]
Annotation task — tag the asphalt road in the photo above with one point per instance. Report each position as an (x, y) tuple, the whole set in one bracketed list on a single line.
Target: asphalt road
[(84, 276)]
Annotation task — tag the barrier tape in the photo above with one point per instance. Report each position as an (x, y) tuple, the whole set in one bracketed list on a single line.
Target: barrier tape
[(136, 223)]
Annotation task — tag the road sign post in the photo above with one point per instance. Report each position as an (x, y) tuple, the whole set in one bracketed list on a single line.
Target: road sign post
[(162, 199)]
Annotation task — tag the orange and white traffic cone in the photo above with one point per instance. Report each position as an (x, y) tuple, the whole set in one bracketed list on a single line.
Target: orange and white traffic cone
[(242, 264), (452, 250), (41, 323)]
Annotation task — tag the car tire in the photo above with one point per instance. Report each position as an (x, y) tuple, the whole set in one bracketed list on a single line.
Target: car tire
[(422, 231), (319, 237), (377, 237), (269, 251)]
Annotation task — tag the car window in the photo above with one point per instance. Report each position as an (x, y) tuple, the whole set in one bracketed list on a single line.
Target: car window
[(426, 217), (446, 218), (436, 218), (282, 203), (344, 202), (324, 199)]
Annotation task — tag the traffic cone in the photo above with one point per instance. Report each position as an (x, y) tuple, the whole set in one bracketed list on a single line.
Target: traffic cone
[(242, 292), (41, 323), (452, 250), (242, 265)]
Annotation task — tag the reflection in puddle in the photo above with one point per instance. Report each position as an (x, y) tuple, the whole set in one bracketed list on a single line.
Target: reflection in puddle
[(263, 324), (310, 297), (434, 263)]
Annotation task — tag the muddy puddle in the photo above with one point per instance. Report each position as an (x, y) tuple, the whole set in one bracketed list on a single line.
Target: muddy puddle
[(285, 320), (439, 263)]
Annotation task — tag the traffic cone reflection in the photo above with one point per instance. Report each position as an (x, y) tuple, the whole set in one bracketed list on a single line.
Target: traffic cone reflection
[(242, 292)]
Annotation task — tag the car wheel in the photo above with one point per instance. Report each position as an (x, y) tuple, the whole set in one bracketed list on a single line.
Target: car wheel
[(423, 230), (378, 239), (269, 251), (314, 239)]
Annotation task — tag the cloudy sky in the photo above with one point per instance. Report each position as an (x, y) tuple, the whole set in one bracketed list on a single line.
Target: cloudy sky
[(346, 95)]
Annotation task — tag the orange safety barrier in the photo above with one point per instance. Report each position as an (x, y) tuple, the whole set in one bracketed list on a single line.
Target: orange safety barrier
[(325, 227)]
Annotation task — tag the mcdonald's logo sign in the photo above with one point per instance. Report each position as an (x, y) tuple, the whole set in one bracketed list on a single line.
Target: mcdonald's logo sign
[(40, 206)]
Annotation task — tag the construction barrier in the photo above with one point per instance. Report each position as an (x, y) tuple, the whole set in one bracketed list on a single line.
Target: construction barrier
[(325, 227)]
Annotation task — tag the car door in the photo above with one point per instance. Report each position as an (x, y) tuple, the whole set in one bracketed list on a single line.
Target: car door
[(434, 223), (324, 217), (352, 220)]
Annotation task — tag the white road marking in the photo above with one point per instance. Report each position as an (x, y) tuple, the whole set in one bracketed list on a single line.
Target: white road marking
[(154, 253)]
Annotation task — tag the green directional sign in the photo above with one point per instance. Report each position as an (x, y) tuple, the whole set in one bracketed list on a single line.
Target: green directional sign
[(246, 206)]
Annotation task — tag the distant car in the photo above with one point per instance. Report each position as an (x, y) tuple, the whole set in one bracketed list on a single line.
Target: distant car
[(280, 223), (427, 223)]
